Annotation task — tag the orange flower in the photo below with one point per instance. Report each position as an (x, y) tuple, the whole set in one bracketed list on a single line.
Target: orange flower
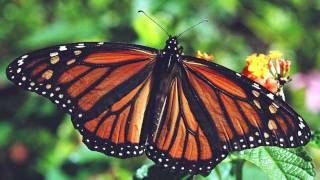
[(257, 65), (205, 56), (269, 70)]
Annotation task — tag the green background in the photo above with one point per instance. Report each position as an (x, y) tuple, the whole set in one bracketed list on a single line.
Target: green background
[(38, 141)]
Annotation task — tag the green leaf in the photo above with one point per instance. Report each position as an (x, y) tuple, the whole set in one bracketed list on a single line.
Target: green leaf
[(315, 139), (280, 163)]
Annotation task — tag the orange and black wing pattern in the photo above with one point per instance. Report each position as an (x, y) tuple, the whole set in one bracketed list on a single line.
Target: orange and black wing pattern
[(180, 142), (104, 86), (212, 111)]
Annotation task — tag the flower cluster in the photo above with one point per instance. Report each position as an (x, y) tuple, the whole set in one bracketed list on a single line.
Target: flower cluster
[(271, 70)]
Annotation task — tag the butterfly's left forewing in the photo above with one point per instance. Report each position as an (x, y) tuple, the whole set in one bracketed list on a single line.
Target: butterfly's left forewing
[(104, 86)]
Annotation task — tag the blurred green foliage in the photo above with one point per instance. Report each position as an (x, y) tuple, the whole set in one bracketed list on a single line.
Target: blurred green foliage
[(37, 141)]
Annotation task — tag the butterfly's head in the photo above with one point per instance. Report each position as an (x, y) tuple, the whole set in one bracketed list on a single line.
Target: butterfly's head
[(172, 46), (172, 40)]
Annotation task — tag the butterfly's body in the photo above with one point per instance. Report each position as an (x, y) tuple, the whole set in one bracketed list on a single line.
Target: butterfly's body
[(186, 113), (166, 68)]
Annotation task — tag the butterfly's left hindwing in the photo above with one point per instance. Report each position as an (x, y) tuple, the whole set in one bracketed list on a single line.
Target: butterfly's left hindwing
[(104, 86)]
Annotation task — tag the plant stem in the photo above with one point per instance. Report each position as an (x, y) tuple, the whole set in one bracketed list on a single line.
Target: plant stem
[(238, 169)]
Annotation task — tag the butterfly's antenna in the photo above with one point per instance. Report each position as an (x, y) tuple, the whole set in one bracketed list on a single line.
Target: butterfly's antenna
[(204, 20), (140, 11)]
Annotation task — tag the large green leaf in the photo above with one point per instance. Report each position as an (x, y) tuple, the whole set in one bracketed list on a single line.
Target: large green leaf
[(280, 163)]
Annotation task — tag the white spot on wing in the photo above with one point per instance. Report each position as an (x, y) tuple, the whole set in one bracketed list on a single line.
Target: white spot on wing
[(299, 133), (62, 48), (54, 54), (270, 95), (275, 105), (20, 62), (80, 45), (255, 85), (25, 56), (301, 125)]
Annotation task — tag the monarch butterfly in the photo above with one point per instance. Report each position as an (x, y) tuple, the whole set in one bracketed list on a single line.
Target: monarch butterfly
[(185, 113)]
